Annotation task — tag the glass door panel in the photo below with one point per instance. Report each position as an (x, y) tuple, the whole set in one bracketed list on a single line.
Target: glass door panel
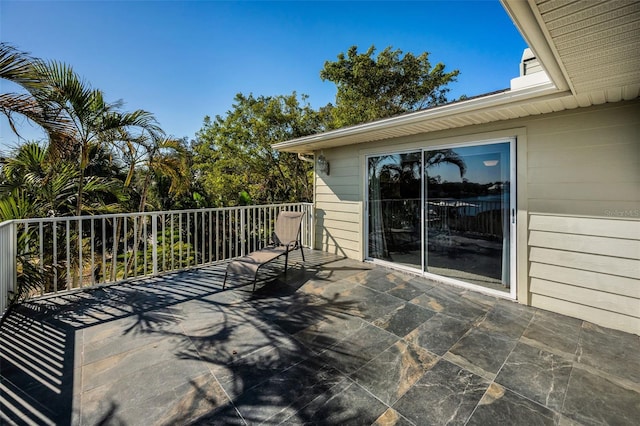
[(394, 207), (466, 214)]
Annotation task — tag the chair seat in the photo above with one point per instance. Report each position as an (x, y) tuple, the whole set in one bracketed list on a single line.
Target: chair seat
[(250, 263)]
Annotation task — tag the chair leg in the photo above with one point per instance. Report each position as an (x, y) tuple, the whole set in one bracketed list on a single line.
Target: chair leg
[(224, 283), (286, 262), (302, 252), (255, 278)]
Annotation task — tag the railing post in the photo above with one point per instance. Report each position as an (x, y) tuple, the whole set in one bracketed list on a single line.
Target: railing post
[(154, 244), (311, 225), (8, 263), (242, 232)]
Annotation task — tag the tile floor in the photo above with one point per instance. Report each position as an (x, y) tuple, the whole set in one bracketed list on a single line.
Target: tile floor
[(337, 342)]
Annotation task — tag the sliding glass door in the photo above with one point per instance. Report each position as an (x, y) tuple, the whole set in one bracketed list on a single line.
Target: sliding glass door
[(445, 211), (467, 214), (394, 206)]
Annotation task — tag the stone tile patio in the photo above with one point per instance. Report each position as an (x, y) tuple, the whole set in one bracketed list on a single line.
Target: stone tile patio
[(335, 342)]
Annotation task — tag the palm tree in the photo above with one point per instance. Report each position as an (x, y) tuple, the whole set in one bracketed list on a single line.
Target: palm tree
[(26, 72), (33, 183), (76, 117), (93, 120)]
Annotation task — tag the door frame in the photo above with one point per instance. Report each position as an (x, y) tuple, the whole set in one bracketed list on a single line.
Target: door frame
[(513, 248)]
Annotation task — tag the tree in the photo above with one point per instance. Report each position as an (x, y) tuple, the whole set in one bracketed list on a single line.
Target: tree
[(390, 84), (33, 102), (33, 184), (77, 118), (234, 157), (92, 120)]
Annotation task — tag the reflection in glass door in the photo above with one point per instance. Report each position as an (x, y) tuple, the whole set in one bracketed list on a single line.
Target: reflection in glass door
[(445, 212), (467, 214), (394, 203)]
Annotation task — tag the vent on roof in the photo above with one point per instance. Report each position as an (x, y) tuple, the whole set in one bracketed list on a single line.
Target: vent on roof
[(531, 72)]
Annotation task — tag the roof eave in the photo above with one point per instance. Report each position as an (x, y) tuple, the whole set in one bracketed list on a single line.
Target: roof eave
[(308, 144), (526, 17)]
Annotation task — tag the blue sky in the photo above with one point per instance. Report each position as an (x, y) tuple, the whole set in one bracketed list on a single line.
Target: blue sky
[(185, 60)]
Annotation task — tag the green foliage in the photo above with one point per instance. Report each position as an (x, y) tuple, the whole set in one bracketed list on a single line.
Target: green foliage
[(390, 84), (34, 184), (234, 158)]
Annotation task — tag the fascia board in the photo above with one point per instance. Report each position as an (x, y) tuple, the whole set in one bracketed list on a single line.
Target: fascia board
[(525, 16), (445, 111)]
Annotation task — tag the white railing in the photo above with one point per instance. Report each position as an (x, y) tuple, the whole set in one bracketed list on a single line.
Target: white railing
[(66, 253), (8, 251)]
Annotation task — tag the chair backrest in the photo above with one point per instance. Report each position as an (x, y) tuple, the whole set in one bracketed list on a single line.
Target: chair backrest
[(287, 227)]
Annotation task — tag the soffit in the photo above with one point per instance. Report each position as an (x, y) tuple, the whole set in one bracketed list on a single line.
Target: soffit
[(595, 43)]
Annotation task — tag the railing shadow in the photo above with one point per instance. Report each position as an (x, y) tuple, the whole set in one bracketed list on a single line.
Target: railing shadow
[(259, 365), (36, 368)]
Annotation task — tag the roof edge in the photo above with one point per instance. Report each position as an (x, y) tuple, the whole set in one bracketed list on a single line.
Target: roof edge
[(462, 107), (526, 17)]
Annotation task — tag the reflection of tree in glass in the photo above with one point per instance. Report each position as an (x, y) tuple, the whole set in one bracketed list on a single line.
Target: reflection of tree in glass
[(395, 185), (444, 156)]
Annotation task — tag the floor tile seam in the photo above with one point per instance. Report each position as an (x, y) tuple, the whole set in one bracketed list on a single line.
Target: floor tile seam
[(344, 377), (477, 404), (490, 381), (390, 407), (561, 409), (425, 308), (129, 351), (466, 333), (438, 358), (543, 346), (398, 338), (557, 412), (617, 380), (517, 342), (324, 349), (201, 359), (355, 383), (578, 347), (448, 312), (188, 378)]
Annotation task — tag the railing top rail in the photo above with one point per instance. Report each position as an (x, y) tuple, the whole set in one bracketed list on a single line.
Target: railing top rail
[(147, 213), (6, 223)]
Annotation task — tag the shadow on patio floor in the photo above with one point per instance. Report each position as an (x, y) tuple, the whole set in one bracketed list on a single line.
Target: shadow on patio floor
[(333, 342)]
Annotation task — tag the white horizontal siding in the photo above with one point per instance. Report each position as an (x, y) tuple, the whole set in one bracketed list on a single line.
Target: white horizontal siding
[(587, 279), (628, 191), (603, 264), (338, 206), (611, 302), (336, 198), (585, 207), (630, 324), (586, 267), (586, 226), (599, 154), (616, 247)]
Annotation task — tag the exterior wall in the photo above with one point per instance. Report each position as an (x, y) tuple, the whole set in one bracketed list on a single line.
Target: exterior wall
[(339, 207), (584, 215), (578, 207)]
